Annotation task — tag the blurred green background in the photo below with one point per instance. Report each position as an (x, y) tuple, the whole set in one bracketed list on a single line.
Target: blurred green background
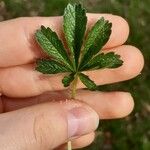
[(132, 132)]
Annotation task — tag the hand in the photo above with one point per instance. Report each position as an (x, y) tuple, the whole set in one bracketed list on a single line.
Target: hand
[(51, 124)]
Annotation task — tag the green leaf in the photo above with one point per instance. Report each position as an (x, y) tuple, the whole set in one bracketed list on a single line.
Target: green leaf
[(96, 39), (68, 79), (75, 21), (108, 60), (74, 24), (51, 45), (87, 82), (46, 66)]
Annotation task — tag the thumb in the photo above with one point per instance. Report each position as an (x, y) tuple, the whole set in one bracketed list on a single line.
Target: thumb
[(46, 126)]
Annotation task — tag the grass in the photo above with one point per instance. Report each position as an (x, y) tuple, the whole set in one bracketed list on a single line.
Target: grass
[(132, 132)]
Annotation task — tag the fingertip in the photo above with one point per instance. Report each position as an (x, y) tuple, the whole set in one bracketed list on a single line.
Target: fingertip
[(120, 106), (80, 142), (120, 32), (133, 61), (120, 28), (126, 102), (83, 141), (138, 58)]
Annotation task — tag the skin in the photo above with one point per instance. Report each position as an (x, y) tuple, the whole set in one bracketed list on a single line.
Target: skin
[(23, 90)]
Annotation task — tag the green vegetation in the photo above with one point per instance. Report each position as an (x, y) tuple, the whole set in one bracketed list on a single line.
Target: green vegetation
[(131, 133), (74, 23)]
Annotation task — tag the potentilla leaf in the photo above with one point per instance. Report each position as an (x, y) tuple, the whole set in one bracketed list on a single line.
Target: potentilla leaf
[(46, 66), (87, 82), (52, 46), (68, 79), (108, 60), (77, 60), (96, 39), (75, 21)]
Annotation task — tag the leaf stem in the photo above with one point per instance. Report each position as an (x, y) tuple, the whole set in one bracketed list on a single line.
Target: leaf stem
[(73, 95), (74, 86), (69, 146)]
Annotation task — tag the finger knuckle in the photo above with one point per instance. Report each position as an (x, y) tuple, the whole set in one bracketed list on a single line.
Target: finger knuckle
[(42, 129)]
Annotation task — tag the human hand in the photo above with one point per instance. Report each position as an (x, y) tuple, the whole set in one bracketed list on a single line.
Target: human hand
[(47, 126)]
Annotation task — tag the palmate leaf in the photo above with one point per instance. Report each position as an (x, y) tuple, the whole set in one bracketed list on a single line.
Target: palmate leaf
[(68, 79), (75, 21), (108, 60), (50, 67), (52, 46), (96, 39), (87, 82)]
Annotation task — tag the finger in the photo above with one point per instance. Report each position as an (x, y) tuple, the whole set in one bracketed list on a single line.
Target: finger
[(104, 103), (119, 27), (46, 126), (133, 63), (109, 105), (20, 34), (22, 81), (81, 142)]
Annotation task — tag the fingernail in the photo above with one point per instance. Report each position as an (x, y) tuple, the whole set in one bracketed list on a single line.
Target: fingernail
[(81, 120)]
